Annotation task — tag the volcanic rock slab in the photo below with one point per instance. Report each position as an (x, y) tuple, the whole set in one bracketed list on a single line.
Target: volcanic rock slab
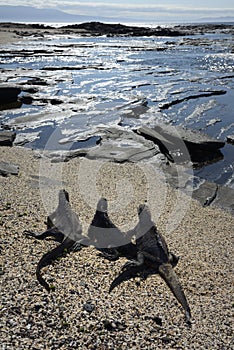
[(184, 145), (7, 138), (8, 169)]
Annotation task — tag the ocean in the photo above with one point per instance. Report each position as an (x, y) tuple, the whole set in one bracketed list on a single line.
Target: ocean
[(87, 83)]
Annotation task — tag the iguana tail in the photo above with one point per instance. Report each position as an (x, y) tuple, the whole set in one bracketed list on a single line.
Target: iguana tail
[(167, 273), (49, 257)]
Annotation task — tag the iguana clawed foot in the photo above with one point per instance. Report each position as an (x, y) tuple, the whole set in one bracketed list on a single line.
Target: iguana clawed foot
[(77, 246), (131, 263), (110, 254)]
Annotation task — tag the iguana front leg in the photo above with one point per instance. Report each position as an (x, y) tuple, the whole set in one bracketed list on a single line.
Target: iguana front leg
[(143, 255), (52, 232)]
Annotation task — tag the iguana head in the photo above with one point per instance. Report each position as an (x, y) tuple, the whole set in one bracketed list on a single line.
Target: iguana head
[(63, 194), (102, 205), (144, 212), (143, 207)]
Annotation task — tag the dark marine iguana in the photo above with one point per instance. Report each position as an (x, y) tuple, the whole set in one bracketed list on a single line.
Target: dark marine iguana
[(64, 225), (52, 230), (153, 257), (107, 238), (113, 243)]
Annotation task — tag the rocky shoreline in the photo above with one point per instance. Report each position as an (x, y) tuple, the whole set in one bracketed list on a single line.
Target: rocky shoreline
[(17, 31), (173, 151)]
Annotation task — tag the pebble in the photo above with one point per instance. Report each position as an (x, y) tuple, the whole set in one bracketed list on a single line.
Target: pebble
[(89, 307), (113, 325)]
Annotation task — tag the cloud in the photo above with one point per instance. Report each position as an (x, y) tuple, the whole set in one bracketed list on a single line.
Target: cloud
[(129, 10), (143, 10)]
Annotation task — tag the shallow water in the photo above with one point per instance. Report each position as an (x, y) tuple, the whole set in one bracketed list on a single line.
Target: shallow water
[(123, 81)]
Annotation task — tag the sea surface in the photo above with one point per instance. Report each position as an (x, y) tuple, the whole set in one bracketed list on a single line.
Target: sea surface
[(82, 84)]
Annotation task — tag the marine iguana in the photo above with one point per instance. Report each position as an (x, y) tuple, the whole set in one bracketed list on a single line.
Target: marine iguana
[(64, 225), (52, 230), (153, 257), (118, 243), (107, 238)]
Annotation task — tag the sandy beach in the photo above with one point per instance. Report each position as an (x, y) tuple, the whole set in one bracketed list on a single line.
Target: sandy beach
[(11, 33), (7, 37), (137, 314)]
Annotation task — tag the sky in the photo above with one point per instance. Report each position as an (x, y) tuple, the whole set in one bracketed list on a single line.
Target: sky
[(147, 10)]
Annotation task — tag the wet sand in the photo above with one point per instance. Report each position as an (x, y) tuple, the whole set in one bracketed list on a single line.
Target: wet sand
[(137, 314)]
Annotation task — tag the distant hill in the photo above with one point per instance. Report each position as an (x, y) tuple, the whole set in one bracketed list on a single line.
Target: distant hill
[(32, 14), (226, 19)]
